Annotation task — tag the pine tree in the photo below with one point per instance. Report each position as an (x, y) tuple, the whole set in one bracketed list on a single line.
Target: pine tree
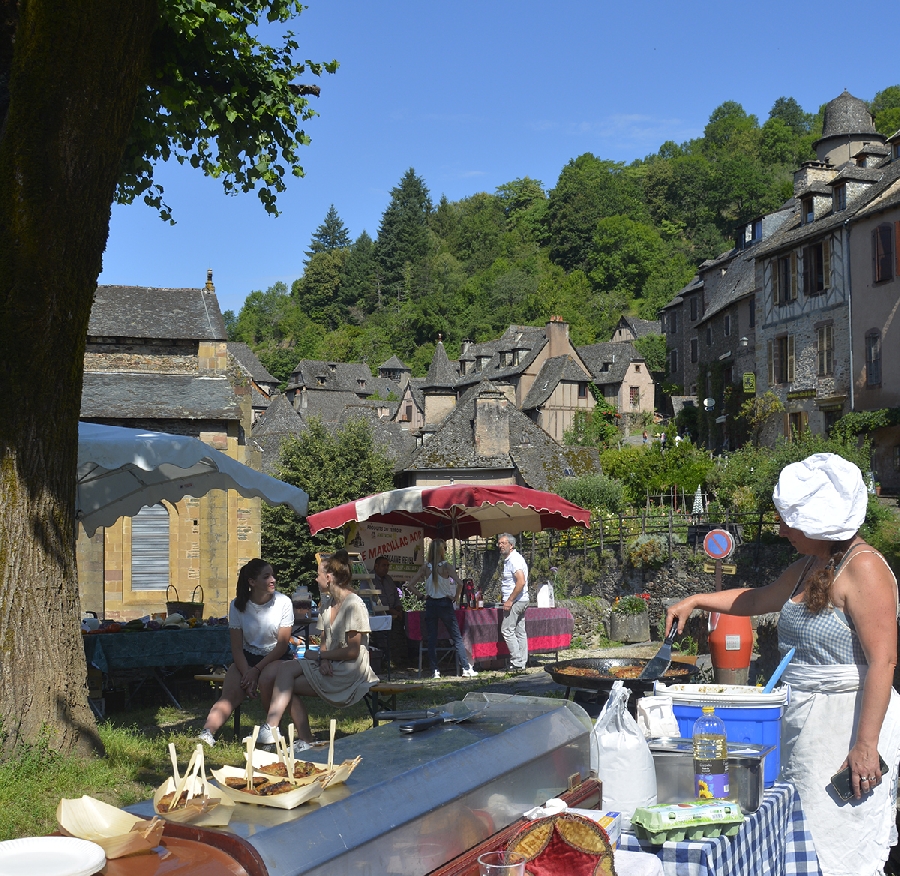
[(360, 283), (402, 245), (331, 234)]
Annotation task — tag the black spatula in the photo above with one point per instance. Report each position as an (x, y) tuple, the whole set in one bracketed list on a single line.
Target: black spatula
[(660, 663)]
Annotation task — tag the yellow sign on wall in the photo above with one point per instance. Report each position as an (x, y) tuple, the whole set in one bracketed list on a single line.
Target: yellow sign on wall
[(749, 382)]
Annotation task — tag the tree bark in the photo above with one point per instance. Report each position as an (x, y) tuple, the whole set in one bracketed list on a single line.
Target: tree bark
[(74, 75)]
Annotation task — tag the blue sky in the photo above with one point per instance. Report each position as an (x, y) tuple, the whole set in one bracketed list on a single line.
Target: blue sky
[(475, 94)]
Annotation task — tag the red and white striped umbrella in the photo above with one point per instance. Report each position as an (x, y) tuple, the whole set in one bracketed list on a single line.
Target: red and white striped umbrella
[(459, 510)]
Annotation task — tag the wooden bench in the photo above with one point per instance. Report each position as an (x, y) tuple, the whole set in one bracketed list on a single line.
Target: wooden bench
[(216, 679), (381, 699)]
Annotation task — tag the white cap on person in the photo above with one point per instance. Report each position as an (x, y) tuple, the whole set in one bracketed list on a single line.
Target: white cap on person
[(823, 496)]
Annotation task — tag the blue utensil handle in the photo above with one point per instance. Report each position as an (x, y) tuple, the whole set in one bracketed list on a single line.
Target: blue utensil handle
[(779, 670)]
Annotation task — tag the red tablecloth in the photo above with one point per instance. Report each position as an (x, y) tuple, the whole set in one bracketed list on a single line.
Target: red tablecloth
[(548, 629)]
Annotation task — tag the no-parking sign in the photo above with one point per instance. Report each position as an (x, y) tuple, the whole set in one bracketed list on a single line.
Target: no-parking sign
[(718, 544)]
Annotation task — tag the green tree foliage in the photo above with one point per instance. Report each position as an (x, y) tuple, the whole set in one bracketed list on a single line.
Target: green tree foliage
[(333, 468), (220, 100), (653, 349), (885, 107), (403, 239), (759, 467), (651, 469), (598, 427), (359, 282), (319, 293), (331, 234), (596, 492), (756, 412), (588, 190), (787, 110)]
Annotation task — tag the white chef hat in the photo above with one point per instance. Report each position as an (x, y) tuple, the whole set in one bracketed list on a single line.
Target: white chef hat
[(824, 497)]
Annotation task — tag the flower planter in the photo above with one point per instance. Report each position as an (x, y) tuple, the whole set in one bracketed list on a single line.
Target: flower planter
[(629, 627)]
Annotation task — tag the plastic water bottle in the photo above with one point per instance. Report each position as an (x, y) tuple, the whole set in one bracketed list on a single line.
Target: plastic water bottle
[(710, 756)]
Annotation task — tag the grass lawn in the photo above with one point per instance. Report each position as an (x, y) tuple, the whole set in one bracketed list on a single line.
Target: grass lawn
[(137, 759)]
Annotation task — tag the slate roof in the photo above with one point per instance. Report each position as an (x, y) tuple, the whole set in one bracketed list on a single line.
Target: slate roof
[(538, 458), (250, 363), (328, 406), (695, 284), (279, 421), (792, 232), (852, 171), (873, 149), (143, 312), (393, 364), (398, 443), (527, 338), (340, 376), (845, 115), (552, 372), (441, 374), (642, 327), (738, 280), (609, 361), (129, 395)]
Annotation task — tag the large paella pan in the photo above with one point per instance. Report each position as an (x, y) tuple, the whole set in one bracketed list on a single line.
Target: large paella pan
[(600, 673)]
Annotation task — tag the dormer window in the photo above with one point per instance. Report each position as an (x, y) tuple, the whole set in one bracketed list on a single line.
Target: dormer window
[(840, 198), (807, 211), (332, 367), (320, 381), (361, 383)]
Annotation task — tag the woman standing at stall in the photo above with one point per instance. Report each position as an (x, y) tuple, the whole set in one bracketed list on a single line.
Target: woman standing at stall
[(259, 621), (838, 607), (339, 673), (442, 589)]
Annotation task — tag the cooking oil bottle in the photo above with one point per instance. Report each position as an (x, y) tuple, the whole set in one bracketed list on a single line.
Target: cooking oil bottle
[(710, 756)]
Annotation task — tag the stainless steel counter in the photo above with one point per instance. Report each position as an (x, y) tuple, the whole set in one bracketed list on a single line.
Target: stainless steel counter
[(417, 801)]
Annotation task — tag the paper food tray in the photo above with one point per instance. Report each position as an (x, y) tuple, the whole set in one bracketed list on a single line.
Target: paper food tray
[(290, 800), (209, 807), (119, 833), (264, 758)]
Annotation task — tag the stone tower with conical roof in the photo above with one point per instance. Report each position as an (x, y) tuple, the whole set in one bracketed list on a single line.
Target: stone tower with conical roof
[(439, 388), (846, 128)]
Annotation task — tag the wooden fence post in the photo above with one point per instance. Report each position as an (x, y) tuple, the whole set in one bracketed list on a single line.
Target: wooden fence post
[(670, 531)]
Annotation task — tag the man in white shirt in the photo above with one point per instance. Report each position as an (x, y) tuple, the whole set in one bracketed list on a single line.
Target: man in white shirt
[(514, 589)]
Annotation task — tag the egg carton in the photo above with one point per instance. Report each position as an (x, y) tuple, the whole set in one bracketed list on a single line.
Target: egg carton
[(687, 821)]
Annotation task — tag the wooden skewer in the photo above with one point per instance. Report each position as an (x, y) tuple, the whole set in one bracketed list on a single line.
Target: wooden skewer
[(291, 759), (251, 745), (332, 727), (174, 758)]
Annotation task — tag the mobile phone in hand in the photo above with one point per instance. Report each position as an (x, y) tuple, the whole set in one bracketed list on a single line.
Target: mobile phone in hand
[(841, 781)]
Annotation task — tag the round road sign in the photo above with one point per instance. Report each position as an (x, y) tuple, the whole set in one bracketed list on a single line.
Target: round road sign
[(718, 544)]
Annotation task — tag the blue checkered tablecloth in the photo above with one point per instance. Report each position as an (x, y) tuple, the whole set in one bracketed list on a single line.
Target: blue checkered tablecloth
[(773, 841)]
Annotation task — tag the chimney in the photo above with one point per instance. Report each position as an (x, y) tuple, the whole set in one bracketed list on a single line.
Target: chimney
[(466, 344), (558, 337), (491, 424)]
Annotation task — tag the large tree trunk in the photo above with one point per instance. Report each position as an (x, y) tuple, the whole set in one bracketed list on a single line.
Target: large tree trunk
[(76, 70)]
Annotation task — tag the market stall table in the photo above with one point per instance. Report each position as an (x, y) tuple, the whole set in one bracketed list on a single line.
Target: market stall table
[(773, 840), (155, 649), (548, 630)]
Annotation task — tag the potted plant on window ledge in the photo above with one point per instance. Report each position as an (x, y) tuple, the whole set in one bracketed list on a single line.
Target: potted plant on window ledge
[(629, 620)]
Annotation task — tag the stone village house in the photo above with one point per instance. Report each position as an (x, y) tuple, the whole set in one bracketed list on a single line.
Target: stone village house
[(812, 289), (157, 359)]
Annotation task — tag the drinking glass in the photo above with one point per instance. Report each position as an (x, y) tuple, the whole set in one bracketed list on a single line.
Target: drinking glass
[(501, 864)]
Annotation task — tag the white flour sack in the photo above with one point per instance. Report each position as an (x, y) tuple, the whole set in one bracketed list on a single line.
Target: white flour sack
[(621, 757)]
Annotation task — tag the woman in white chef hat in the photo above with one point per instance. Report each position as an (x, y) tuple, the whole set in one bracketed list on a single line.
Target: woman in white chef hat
[(838, 606)]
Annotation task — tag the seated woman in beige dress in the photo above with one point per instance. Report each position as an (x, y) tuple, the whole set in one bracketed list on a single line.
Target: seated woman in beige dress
[(339, 673)]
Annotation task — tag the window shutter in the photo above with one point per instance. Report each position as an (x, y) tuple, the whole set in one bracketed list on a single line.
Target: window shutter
[(150, 548), (897, 248), (875, 243), (804, 421), (826, 262), (786, 426), (790, 358), (774, 271), (793, 276), (771, 359)]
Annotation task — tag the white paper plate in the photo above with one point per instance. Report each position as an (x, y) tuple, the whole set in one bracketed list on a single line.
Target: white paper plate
[(50, 856)]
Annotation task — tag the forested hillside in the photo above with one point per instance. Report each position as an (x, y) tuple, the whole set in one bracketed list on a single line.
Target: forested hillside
[(608, 238)]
